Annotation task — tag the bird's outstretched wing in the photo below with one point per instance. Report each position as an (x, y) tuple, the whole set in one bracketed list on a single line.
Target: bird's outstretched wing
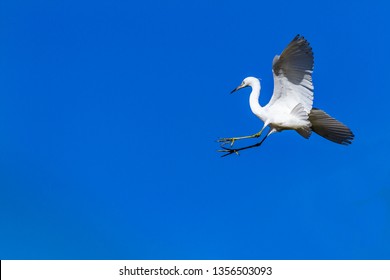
[(293, 75)]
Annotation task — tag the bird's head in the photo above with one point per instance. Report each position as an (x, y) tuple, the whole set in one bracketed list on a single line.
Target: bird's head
[(247, 82)]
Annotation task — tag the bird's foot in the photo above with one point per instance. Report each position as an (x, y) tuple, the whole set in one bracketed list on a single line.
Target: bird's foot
[(228, 151), (225, 141)]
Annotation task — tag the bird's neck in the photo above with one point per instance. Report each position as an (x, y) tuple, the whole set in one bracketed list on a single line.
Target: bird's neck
[(254, 100)]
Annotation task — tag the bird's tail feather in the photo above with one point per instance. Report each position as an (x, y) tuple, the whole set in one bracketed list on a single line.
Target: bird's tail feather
[(330, 128)]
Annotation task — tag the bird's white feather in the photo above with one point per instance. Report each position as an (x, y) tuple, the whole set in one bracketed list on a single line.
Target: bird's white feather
[(292, 72)]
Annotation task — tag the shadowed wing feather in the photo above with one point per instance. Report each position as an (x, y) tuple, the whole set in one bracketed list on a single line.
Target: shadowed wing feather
[(330, 128), (292, 72)]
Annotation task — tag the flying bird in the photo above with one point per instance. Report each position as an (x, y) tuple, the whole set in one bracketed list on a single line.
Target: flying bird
[(291, 105)]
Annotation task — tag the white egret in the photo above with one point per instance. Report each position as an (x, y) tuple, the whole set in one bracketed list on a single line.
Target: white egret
[(290, 107)]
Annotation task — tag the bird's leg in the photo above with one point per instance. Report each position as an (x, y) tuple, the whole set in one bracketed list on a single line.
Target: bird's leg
[(231, 140), (230, 151)]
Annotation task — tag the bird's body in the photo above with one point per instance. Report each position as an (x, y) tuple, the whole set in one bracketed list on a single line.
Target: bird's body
[(280, 115), (290, 107)]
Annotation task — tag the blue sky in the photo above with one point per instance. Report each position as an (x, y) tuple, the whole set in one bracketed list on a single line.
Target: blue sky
[(109, 112)]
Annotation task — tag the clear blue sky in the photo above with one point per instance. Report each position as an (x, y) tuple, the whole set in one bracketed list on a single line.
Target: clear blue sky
[(109, 112)]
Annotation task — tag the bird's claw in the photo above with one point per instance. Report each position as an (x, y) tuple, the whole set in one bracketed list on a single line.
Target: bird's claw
[(226, 141), (228, 151)]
